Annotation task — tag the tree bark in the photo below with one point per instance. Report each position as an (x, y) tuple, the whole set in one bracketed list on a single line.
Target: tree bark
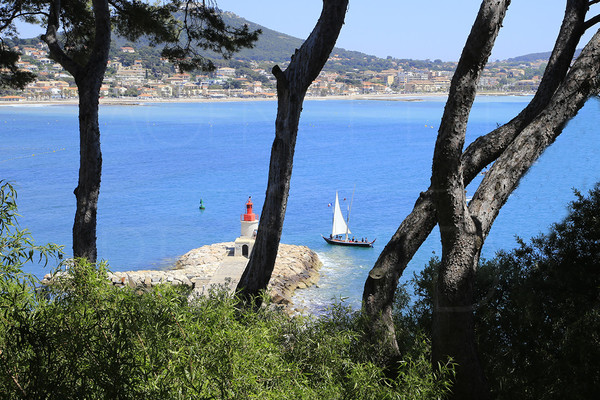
[(292, 84), (88, 78), (382, 281), (90, 170), (453, 333)]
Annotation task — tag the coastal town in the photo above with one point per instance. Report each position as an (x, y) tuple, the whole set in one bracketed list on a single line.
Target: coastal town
[(131, 75)]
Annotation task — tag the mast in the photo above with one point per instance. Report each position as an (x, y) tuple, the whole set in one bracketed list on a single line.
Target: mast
[(348, 214)]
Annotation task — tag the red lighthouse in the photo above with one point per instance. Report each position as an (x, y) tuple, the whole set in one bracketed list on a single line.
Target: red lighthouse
[(249, 216), (249, 221)]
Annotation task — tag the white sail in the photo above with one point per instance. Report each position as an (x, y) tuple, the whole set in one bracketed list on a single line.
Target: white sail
[(339, 225)]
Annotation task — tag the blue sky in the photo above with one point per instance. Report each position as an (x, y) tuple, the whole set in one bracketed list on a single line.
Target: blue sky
[(417, 29)]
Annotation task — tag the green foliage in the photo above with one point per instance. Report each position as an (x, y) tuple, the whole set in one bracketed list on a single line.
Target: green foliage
[(544, 300), (16, 246), (202, 29), (82, 338), (537, 315), (10, 75), (131, 92), (94, 341)]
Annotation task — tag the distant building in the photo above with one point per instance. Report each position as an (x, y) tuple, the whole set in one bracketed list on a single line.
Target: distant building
[(12, 98), (226, 72)]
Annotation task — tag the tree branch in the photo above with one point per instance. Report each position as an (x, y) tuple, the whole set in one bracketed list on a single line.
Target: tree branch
[(381, 284), (485, 149), (102, 35), (17, 14), (51, 39), (591, 22), (382, 281), (307, 62), (581, 83), (447, 179)]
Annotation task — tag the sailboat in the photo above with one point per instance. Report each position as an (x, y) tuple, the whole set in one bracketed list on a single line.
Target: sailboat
[(340, 231)]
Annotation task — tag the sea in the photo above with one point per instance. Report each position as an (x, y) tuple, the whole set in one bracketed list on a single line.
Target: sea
[(161, 159)]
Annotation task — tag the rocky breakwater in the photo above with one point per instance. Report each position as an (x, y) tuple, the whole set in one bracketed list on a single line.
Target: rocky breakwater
[(296, 267), (214, 265)]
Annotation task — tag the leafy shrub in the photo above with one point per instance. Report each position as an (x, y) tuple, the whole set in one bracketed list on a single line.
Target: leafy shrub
[(81, 338)]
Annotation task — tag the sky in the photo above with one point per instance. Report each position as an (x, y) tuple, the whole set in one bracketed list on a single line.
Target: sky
[(417, 29)]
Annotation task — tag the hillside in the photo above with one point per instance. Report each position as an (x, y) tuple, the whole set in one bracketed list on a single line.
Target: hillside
[(278, 47), (535, 57), (273, 47)]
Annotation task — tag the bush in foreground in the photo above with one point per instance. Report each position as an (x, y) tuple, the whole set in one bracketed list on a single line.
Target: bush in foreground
[(82, 338)]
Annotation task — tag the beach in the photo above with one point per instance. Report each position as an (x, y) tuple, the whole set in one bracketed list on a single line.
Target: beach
[(132, 101)]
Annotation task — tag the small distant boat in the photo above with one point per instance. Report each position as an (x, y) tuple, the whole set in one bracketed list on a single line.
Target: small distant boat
[(339, 231)]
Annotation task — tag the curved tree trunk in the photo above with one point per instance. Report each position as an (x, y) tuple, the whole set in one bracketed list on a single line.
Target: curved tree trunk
[(292, 84), (382, 281), (453, 333)]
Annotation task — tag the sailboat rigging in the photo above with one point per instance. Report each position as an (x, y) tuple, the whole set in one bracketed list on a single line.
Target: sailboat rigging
[(340, 231)]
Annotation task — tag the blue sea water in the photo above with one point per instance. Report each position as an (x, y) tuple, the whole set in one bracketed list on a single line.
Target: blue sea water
[(161, 159)]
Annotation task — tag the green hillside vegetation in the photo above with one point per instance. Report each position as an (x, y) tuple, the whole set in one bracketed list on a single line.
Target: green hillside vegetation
[(272, 47), (276, 48), (535, 57)]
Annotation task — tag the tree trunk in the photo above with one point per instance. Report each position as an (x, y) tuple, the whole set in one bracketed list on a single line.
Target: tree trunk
[(88, 78), (292, 84), (382, 281), (453, 334), (90, 169), (453, 326)]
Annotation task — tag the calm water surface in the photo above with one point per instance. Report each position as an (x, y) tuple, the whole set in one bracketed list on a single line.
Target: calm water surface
[(161, 159)]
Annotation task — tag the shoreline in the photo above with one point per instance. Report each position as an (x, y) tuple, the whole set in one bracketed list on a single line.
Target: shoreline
[(135, 101)]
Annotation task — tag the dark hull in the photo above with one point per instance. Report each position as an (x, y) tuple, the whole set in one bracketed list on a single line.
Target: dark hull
[(341, 242)]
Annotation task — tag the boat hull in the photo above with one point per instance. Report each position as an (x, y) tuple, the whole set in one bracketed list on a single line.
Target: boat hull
[(341, 242)]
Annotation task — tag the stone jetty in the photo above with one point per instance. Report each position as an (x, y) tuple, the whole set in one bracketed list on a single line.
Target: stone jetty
[(214, 265)]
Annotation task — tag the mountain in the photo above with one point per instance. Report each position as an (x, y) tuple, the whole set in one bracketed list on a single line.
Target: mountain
[(275, 48), (536, 57), (271, 45), (278, 47), (530, 57)]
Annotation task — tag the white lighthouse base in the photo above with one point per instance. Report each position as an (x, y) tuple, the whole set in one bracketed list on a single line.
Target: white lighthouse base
[(249, 228), (243, 247)]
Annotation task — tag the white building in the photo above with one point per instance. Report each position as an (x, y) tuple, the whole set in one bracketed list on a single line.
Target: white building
[(244, 244)]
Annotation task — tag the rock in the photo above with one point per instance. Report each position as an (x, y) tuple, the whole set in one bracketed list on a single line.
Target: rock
[(295, 267)]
